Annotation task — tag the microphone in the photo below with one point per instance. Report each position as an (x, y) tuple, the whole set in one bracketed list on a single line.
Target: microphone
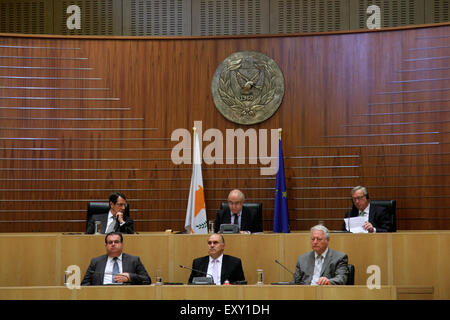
[(199, 271), (283, 282), (284, 266)]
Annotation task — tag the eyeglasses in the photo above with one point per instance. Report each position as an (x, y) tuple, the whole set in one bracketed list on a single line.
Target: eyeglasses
[(358, 198), (213, 242), (121, 204), (113, 241), (231, 203)]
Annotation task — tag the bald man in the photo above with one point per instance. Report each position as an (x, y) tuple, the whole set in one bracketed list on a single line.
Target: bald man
[(236, 213)]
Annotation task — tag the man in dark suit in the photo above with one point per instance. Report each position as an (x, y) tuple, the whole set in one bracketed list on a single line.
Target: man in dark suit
[(322, 266), (115, 267), (220, 266), (378, 219), (114, 219), (236, 213)]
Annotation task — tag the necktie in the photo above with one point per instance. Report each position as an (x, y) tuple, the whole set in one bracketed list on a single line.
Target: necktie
[(216, 271), (317, 269), (236, 219), (115, 269), (112, 226)]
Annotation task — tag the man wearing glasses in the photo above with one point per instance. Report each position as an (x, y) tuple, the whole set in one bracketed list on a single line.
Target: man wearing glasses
[(236, 213), (115, 267), (377, 218), (115, 219)]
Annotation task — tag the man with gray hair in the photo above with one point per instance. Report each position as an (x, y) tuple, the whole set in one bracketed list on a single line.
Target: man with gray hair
[(376, 218), (322, 266), (237, 214)]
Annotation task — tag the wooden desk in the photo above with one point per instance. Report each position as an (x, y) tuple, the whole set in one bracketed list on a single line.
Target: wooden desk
[(189, 292), (405, 258)]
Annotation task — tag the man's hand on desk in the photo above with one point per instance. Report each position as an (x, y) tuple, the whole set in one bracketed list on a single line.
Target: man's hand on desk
[(323, 281), (122, 277)]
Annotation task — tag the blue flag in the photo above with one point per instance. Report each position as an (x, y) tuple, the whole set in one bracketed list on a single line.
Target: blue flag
[(281, 214)]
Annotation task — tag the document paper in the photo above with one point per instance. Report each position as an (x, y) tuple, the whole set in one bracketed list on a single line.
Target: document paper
[(355, 224)]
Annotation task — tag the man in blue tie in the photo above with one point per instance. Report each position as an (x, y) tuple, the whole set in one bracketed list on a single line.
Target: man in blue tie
[(322, 266), (115, 267)]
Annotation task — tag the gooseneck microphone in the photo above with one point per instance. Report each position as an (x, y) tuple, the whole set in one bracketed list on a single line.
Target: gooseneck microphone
[(284, 267), (199, 271)]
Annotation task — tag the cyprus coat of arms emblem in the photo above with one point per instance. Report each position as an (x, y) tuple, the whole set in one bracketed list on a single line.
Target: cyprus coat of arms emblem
[(247, 87)]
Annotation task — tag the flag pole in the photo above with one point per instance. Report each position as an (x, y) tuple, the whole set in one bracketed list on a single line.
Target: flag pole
[(281, 212), (196, 220)]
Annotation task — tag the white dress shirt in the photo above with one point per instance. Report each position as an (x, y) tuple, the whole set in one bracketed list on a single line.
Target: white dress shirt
[(108, 279), (317, 272), (111, 219), (219, 268)]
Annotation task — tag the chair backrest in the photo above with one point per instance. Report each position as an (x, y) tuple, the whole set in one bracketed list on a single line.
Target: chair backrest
[(390, 205), (351, 275), (255, 207), (102, 207)]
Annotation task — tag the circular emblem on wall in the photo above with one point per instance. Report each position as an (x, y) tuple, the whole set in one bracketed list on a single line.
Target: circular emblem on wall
[(247, 87)]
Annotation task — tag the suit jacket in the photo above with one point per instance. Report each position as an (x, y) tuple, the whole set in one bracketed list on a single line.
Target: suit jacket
[(231, 269), (334, 268), (131, 264), (379, 217), (249, 220), (128, 226)]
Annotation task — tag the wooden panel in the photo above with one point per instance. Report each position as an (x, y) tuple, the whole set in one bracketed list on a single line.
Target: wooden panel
[(393, 13), (437, 11), (156, 17), (424, 252), (199, 293), (230, 17), (399, 256), (27, 16), (96, 17), (33, 260), (308, 16), (81, 117)]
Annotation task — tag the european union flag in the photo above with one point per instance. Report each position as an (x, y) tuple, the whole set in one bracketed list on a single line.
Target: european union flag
[(281, 214)]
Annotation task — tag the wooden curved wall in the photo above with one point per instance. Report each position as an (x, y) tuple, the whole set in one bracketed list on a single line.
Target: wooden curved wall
[(81, 117)]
